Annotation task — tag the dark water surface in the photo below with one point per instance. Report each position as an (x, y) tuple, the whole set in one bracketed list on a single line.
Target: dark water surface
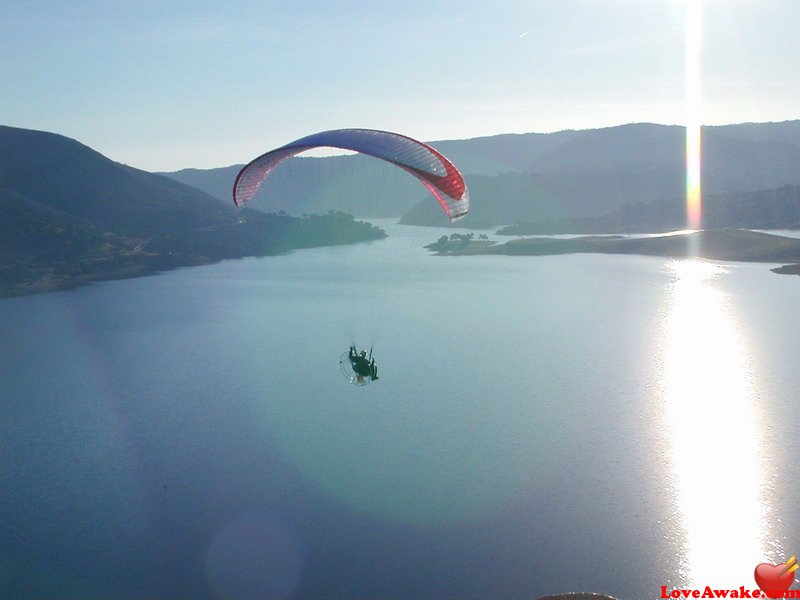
[(541, 425)]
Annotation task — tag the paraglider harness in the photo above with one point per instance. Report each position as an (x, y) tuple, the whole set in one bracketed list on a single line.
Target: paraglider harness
[(361, 366)]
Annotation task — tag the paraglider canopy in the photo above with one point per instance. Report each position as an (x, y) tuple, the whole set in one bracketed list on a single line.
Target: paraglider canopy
[(435, 171)]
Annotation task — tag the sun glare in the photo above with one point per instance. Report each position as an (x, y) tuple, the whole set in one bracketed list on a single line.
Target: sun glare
[(693, 38), (711, 413)]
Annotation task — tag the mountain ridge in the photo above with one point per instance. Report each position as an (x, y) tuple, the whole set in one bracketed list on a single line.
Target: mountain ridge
[(525, 177), (69, 215)]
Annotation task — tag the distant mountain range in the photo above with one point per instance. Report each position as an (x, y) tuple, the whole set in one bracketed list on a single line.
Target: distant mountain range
[(765, 209), (519, 178), (69, 215)]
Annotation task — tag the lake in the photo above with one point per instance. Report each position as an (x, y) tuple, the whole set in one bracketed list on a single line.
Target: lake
[(541, 425)]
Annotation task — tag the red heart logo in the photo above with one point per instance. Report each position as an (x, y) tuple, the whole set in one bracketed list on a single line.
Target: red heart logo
[(773, 579)]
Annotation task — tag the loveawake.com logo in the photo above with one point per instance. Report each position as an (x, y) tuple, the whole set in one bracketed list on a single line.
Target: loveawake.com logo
[(773, 582)]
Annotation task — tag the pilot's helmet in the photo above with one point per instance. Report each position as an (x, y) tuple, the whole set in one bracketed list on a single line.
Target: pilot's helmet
[(363, 353)]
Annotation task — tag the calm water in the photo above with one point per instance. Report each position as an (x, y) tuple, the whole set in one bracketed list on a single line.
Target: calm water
[(541, 425)]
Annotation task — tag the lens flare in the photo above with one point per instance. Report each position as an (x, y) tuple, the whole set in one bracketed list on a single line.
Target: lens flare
[(693, 110)]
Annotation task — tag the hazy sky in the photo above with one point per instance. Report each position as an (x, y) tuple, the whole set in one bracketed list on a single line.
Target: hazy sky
[(163, 85)]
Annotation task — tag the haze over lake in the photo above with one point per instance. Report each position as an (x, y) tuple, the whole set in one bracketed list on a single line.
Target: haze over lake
[(541, 425)]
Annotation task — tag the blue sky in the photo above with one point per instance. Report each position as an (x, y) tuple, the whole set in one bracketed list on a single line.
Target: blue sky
[(164, 85)]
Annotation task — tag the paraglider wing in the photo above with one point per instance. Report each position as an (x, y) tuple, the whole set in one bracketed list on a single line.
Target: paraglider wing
[(437, 173)]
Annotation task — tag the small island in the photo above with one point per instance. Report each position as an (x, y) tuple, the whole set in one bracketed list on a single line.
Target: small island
[(787, 270), (722, 244)]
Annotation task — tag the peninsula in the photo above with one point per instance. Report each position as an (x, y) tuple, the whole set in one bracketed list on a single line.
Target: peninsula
[(723, 244), (70, 216)]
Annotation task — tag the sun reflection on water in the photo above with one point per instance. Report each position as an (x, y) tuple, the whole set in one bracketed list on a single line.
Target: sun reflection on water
[(714, 437)]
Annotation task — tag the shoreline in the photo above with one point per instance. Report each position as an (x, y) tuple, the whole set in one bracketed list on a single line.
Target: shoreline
[(731, 245)]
